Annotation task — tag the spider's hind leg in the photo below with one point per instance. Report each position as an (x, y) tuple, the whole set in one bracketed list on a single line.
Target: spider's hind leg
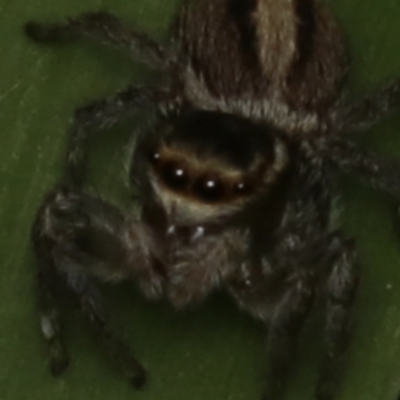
[(378, 171), (382, 173), (103, 114), (363, 114), (105, 28)]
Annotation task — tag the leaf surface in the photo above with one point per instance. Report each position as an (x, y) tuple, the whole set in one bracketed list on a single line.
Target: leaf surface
[(215, 352)]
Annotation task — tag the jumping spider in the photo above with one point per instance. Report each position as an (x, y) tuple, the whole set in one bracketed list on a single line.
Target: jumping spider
[(234, 178)]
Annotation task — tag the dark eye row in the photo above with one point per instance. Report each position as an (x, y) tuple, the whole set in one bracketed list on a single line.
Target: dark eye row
[(207, 187)]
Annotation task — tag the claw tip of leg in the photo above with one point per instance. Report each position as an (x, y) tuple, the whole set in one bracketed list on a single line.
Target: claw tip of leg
[(34, 31), (57, 367), (139, 380)]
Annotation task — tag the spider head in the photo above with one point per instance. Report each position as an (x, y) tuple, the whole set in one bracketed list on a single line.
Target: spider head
[(205, 166)]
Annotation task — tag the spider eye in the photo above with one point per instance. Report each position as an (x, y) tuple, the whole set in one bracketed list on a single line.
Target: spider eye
[(242, 188), (174, 175), (155, 156), (209, 188)]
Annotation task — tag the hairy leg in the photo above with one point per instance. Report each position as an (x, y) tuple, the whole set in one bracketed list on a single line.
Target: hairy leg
[(50, 323), (341, 287), (380, 172), (76, 237), (101, 115), (105, 28), (284, 329), (361, 115), (329, 258), (299, 253), (315, 259)]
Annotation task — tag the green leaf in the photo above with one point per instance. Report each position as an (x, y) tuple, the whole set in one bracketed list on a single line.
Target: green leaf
[(214, 352)]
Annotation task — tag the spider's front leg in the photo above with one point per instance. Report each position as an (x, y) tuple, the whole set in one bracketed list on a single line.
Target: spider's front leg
[(284, 329), (77, 237), (325, 264), (308, 259), (340, 289)]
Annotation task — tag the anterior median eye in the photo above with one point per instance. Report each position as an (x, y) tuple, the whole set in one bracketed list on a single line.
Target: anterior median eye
[(209, 188), (174, 175)]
